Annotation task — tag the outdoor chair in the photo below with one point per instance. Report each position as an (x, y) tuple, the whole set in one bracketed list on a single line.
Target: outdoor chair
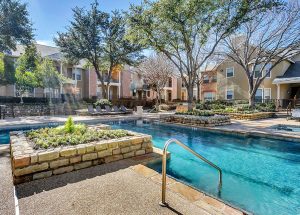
[(117, 110), (125, 110), (296, 114), (99, 110), (91, 110)]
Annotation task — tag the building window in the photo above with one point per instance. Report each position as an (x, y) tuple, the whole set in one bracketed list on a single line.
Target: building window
[(214, 79), (257, 72), (229, 72), (70, 73), (206, 79), (76, 74), (267, 70), (209, 96), (148, 93), (170, 82), (229, 94), (267, 93), (259, 95)]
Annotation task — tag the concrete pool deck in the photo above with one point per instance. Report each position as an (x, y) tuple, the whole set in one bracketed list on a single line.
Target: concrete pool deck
[(263, 127), (122, 187)]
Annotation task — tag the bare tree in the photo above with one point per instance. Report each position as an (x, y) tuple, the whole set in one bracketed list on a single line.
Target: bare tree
[(156, 72), (262, 43)]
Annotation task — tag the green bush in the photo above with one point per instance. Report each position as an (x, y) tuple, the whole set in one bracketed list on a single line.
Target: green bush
[(102, 103), (196, 113), (69, 125), (242, 106)]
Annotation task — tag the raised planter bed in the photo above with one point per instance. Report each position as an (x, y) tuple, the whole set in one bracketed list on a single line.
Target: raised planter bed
[(202, 121), (252, 116), (29, 164)]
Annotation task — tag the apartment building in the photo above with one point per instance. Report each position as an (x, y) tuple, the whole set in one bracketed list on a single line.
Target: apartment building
[(231, 82), (84, 82), (139, 89)]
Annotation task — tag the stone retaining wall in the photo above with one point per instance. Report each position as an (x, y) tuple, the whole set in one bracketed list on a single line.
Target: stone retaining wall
[(29, 164), (252, 116), (20, 110), (203, 121)]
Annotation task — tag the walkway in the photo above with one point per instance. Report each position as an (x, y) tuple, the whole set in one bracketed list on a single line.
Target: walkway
[(7, 203), (123, 187)]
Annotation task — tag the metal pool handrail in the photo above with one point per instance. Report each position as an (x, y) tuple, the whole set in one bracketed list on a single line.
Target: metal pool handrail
[(164, 167)]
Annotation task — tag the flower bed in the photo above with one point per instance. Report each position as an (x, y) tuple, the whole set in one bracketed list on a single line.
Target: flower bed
[(202, 121), (30, 162)]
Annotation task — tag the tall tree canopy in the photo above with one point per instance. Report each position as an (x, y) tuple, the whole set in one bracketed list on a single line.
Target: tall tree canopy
[(7, 70), (48, 77), (26, 70), (99, 38), (188, 31), (15, 26), (260, 44)]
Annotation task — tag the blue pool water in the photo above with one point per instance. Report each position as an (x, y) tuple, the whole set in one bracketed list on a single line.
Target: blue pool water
[(260, 175), (4, 137)]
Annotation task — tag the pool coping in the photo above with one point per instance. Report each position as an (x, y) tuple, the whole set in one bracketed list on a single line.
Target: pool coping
[(209, 203), (263, 134)]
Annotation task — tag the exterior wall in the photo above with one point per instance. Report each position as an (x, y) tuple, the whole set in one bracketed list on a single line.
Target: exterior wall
[(125, 86), (7, 90), (239, 83), (208, 87), (92, 83)]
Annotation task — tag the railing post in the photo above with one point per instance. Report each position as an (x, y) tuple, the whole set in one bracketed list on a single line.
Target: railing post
[(164, 179), (164, 169)]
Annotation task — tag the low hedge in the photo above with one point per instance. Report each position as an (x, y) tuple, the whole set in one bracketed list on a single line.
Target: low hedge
[(240, 106)]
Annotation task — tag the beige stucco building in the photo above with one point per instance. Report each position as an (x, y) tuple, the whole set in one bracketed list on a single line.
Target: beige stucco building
[(282, 83)]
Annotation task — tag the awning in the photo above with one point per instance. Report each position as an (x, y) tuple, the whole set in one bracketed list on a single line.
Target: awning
[(293, 80)]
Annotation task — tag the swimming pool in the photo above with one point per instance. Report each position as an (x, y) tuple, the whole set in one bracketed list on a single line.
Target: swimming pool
[(260, 175)]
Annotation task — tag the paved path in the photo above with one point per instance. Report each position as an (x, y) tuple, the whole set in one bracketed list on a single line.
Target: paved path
[(113, 188), (7, 204)]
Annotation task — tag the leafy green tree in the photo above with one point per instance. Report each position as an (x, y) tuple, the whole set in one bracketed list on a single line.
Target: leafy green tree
[(48, 77), (188, 32), (7, 70), (15, 26), (26, 78), (99, 38)]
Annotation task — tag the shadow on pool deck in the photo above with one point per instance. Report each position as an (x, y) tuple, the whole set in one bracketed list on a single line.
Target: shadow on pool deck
[(37, 186), (113, 188)]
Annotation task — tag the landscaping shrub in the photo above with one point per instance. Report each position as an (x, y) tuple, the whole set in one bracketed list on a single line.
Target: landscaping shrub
[(71, 134), (69, 125), (102, 103), (196, 113), (167, 107), (239, 106)]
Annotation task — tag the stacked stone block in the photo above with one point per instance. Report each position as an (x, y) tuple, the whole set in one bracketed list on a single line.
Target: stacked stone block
[(201, 121), (29, 164)]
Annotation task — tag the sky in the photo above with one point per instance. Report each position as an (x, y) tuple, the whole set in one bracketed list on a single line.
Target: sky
[(50, 16)]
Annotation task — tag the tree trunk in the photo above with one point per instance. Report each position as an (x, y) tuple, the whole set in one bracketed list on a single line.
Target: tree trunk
[(251, 100), (50, 95), (104, 92), (198, 92), (190, 97)]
